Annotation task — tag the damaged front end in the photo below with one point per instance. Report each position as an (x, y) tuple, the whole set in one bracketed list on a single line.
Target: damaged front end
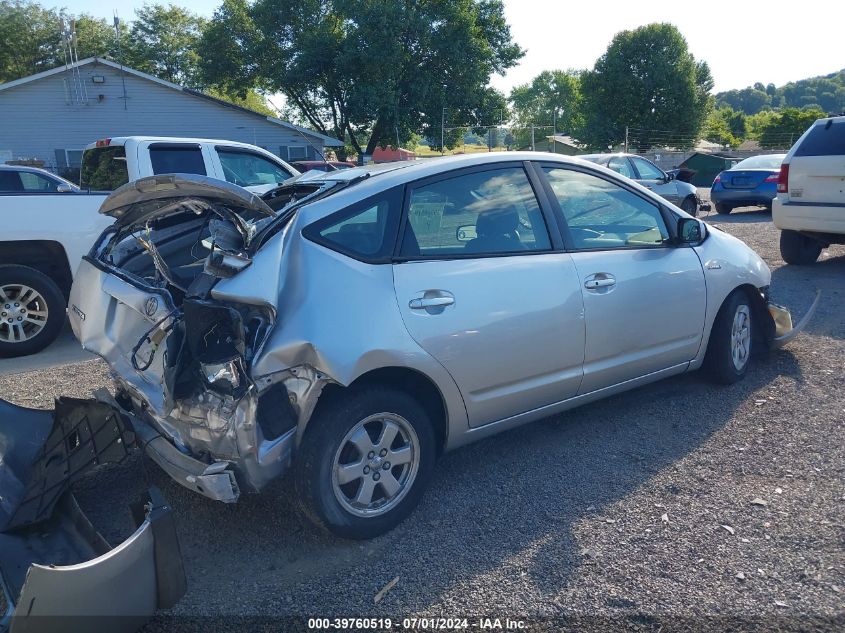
[(778, 328), (58, 573), (181, 358)]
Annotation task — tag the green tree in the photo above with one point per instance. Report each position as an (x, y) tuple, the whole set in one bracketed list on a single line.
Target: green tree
[(649, 81), (30, 39), (552, 100), (784, 128), (251, 99), (365, 71), (163, 42)]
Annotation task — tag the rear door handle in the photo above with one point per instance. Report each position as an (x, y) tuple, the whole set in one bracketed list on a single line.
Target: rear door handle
[(430, 302), (599, 280)]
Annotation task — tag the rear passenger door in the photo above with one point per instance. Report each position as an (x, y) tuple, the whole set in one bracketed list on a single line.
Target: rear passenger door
[(155, 157), (482, 286), (652, 177)]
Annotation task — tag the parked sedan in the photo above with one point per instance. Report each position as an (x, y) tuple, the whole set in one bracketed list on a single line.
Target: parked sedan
[(348, 330), (751, 182), (19, 179), (650, 176)]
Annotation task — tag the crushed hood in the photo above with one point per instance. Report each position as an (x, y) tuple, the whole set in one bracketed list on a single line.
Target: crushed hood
[(147, 198)]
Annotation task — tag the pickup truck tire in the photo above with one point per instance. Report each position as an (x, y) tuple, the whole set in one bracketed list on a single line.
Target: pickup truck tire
[(32, 311), (798, 249), (365, 459)]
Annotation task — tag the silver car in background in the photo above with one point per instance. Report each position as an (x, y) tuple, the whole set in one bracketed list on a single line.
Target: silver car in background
[(351, 326), (650, 176)]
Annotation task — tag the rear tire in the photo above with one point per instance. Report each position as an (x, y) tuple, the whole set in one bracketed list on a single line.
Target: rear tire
[(32, 311), (344, 462), (723, 209), (798, 249), (729, 347), (690, 205)]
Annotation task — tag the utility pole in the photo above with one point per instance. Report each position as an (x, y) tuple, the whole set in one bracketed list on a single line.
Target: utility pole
[(626, 139), (442, 130), (554, 129), (533, 149)]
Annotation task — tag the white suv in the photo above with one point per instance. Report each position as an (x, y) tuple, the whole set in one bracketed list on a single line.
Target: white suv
[(810, 205)]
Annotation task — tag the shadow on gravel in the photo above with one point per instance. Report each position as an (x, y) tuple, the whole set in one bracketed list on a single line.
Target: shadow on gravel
[(826, 275), (742, 215), (503, 507)]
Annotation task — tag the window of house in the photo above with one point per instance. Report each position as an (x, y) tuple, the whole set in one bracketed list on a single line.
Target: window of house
[(297, 152)]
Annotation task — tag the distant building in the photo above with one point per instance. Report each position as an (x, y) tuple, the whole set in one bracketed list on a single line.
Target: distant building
[(53, 115), (557, 144)]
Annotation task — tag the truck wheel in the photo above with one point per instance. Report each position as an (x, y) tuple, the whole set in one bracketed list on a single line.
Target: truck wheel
[(729, 347), (690, 205), (723, 208), (364, 462), (32, 311), (798, 249)]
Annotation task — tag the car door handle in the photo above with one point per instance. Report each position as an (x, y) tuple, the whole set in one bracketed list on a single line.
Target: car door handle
[(430, 302), (599, 280)]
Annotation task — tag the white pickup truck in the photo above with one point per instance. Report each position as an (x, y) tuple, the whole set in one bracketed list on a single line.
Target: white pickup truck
[(45, 234)]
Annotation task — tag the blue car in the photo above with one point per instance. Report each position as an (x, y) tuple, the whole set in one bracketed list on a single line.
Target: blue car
[(751, 182)]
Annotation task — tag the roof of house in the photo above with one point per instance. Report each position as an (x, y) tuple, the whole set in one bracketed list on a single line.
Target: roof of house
[(749, 146), (327, 140), (564, 139)]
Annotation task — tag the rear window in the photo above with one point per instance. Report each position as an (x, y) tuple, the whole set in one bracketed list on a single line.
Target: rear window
[(104, 168), (824, 139), (761, 162), (177, 159)]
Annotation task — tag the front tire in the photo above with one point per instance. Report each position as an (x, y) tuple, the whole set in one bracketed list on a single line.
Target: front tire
[(364, 462), (729, 348), (798, 249), (32, 311), (690, 205), (723, 209)]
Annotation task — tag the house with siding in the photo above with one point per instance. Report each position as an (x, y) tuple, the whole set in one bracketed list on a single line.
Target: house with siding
[(51, 116)]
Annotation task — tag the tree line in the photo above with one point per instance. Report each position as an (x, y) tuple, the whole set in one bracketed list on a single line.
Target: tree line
[(381, 72)]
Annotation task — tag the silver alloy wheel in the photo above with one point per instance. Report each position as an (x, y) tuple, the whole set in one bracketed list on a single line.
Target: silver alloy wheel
[(376, 464), (23, 313), (741, 337)]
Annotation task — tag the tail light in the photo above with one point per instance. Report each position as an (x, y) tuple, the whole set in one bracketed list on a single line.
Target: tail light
[(772, 178), (718, 179), (783, 178)]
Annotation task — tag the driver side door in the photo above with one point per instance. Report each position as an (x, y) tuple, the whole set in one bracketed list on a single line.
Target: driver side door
[(644, 297)]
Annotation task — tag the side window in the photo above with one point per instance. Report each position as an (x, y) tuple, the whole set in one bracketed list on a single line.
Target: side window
[(647, 170), (247, 169), (482, 213), (104, 168), (177, 159), (620, 165), (363, 231), (10, 181), (35, 182), (603, 215)]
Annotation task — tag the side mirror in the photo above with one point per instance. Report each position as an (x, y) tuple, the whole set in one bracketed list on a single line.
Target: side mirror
[(63, 189), (670, 176), (465, 233), (690, 231)]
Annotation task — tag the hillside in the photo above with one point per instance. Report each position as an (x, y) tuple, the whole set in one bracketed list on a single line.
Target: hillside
[(826, 92)]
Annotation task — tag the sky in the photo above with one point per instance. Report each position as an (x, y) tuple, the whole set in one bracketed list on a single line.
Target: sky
[(744, 41)]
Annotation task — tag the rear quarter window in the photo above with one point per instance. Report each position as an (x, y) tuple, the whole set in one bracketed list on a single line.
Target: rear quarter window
[(824, 139), (365, 231), (104, 168), (177, 159)]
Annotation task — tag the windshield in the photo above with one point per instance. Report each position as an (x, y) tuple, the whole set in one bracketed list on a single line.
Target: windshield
[(770, 161)]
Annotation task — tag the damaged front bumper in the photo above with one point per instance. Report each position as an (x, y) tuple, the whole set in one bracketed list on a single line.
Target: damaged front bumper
[(782, 330), (57, 572)]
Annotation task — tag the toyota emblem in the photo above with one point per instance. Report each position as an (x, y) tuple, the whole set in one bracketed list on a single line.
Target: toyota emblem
[(151, 306)]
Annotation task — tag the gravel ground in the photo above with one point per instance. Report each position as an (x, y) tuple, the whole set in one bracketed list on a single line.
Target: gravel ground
[(668, 507)]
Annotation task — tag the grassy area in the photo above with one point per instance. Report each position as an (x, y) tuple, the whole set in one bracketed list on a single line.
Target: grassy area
[(424, 151)]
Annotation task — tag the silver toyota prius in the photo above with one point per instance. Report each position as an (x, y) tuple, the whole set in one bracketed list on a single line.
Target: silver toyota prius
[(351, 326)]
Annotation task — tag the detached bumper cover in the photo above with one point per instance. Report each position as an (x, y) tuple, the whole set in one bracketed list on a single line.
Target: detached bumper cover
[(56, 571), (784, 331)]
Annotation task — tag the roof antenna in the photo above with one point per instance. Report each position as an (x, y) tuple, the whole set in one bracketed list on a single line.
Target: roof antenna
[(305, 138)]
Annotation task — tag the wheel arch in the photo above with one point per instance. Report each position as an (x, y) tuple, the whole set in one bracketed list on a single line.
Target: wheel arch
[(45, 256), (410, 381)]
